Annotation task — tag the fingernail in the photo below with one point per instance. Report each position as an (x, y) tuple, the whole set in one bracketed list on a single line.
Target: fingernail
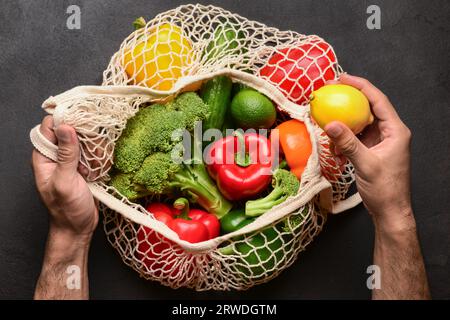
[(63, 135), (333, 130)]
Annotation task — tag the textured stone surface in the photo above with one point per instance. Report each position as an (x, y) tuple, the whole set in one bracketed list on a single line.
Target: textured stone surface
[(408, 59)]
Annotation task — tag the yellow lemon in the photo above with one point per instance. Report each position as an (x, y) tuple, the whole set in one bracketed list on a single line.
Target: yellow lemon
[(159, 58), (340, 102)]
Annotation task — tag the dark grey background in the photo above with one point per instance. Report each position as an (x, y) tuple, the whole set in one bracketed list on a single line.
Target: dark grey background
[(408, 59)]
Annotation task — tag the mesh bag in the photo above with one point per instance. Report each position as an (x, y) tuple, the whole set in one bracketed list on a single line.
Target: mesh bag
[(177, 51)]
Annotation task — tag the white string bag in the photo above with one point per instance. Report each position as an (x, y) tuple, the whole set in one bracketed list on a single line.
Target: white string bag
[(137, 74)]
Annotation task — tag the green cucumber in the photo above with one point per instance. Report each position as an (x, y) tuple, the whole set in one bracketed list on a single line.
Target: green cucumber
[(226, 41), (216, 93), (237, 86)]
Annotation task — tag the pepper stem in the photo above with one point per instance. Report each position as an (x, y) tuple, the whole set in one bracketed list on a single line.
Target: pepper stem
[(241, 158), (139, 23), (183, 205)]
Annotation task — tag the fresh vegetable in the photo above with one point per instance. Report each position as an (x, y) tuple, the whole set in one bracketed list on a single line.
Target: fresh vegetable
[(139, 23), (153, 250), (251, 109), (193, 225), (296, 145), (240, 164), (155, 254), (237, 86), (150, 130), (228, 124), (216, 94), (284, 183), (124, 183), (260, 253), (340, 102), (234, 220), (160, 175), (294, 221), (226, 41), (297, 71), (142, 168), (159, 57)]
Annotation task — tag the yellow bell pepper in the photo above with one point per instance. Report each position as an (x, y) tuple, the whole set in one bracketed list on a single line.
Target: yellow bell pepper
[(159, 58)]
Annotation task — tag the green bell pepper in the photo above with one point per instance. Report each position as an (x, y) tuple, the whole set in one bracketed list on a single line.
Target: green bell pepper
[(234, 220), (260, 253)]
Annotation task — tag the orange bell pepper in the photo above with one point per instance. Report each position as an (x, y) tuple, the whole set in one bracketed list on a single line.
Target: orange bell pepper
[(296, 145)]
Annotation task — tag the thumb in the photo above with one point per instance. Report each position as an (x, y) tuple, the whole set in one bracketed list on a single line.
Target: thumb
[(68, 149), (350, 146)]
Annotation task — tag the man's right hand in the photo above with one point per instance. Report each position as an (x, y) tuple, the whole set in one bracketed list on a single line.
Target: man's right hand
[(381, 159)]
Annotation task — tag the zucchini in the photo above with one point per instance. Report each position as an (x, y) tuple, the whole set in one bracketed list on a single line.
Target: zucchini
[(216, 93)]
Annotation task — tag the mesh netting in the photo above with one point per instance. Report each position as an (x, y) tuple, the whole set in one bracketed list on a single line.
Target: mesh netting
[(240, 263), (175, 52)]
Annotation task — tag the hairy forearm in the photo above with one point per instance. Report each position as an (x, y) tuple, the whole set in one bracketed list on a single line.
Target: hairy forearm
[(64, 270), (397, 253)]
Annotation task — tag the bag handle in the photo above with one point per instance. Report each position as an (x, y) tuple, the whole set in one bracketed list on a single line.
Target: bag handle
[(346, 204), (65, 99), (42, 144)]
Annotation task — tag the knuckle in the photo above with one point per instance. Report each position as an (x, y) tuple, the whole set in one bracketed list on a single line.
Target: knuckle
[(373, 170), (349, 146), (384, 98), (47, 118), (404, 133), (408, 133), (365, 82), (65, 154), (61, 189)]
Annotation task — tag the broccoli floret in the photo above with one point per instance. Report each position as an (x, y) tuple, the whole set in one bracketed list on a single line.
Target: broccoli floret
[(193, 107), (123, 182), (151, 129), (155, 172), (285, 184), (143, 161), (159, 174)]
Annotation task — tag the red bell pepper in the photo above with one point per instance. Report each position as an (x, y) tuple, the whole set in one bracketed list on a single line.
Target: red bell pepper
[(153, 249), (241, 165), (299, 70), (192, 225)]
